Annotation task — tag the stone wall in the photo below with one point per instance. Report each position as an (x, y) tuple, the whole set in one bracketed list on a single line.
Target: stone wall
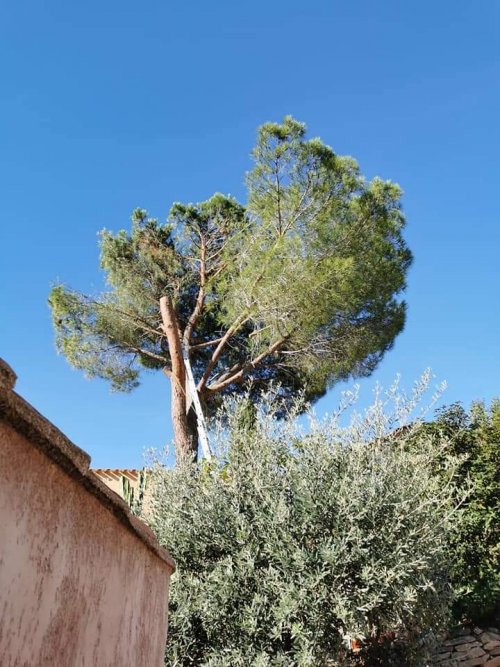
[(82, 581), (470, 647)]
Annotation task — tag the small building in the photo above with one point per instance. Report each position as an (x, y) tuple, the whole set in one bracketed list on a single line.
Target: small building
[(82, 580), (121, 480)]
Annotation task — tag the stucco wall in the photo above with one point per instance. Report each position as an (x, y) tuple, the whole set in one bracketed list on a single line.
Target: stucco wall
[(78, 584)]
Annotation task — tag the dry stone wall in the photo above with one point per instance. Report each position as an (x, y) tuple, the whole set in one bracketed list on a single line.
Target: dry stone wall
[(470, 647)]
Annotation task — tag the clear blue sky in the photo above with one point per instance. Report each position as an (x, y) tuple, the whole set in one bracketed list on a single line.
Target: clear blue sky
[(106, 106)]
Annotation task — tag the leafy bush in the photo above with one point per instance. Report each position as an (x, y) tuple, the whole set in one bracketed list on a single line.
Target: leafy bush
[(475, 547), (289, 546)]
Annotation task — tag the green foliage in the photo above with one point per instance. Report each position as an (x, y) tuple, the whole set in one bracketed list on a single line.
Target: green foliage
[(290, 545), (306, 277), (475, 550), (134, 497)]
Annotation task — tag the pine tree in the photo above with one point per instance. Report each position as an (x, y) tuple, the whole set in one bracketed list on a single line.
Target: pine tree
[(299, 287)]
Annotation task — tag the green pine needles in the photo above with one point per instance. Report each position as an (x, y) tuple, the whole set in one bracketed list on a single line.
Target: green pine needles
[(300, 286)]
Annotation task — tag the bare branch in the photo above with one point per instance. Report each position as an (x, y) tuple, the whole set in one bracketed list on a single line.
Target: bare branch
[(256, 332), (219, 270), (128, 347), (207, 343), (200, 299), (147, 353), (278, 191), (139, 322)]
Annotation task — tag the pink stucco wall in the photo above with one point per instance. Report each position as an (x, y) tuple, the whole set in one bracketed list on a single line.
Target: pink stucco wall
[(77, 586)]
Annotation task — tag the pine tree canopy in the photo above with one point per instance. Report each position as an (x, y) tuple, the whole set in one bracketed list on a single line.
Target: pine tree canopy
[(300, 286)]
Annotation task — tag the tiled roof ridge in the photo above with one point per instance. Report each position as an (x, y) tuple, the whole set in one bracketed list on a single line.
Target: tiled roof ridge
[(118, 471), (25, 419)]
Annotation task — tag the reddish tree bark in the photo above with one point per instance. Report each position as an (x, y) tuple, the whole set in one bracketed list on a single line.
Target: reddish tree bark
[(184, 423)]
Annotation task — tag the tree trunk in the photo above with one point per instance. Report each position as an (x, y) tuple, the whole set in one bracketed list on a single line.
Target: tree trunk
[(185, 425), (192, 427)]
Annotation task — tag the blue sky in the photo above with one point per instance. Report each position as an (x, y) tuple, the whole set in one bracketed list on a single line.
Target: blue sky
[(105, 107)]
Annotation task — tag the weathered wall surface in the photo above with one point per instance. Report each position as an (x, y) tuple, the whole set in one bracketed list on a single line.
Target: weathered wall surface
[(82, 582)]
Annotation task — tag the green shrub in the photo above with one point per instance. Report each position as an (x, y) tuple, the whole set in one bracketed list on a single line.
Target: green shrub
[(475, 547), (289, 546)]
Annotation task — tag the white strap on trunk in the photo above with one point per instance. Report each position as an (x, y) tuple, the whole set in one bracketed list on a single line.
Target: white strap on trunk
[(194, 398)]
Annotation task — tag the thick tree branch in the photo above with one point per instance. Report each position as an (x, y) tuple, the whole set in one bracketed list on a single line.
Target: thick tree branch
[(238, 367), (240, 373), (237, 324)]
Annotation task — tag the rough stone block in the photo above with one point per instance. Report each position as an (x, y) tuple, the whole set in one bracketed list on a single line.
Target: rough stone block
[(490, 637), (475, 662), (491, 645), (476, 652), (465, 648), (463, 639), (440, 657)]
